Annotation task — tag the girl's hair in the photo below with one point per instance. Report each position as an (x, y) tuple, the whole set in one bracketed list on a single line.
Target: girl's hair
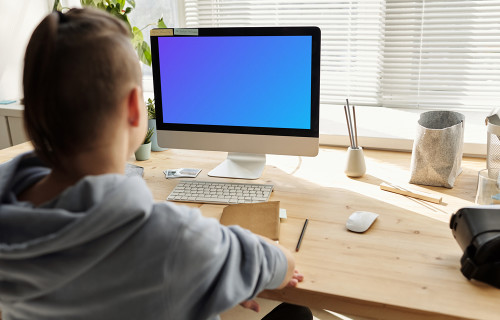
[(78, 67)]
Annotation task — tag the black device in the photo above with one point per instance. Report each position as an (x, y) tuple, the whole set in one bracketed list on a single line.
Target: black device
[(477, 231)]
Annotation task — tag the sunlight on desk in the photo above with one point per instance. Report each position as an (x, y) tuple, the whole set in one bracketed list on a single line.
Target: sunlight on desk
[(327, 170), (406, 266)]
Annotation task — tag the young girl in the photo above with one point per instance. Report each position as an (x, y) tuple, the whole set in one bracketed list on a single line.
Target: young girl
[(78, 239)]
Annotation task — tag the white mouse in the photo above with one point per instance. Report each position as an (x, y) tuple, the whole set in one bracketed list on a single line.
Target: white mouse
[(360, 221)]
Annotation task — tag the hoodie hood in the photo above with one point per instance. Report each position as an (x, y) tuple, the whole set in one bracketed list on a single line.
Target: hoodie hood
[(45, 247)]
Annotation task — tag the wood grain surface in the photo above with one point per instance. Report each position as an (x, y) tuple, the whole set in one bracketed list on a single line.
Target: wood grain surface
[(406, 266)]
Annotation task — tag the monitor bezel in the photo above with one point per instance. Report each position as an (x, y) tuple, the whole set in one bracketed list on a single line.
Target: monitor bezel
[(315, 34)]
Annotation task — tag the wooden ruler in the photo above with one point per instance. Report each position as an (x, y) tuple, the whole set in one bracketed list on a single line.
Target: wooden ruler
[(411, 193)]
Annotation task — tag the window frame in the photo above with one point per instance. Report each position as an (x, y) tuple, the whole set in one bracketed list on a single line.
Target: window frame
[(474, 144)]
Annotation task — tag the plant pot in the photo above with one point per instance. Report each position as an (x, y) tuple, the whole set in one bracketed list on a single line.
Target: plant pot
[(154, 138), (143, 152)]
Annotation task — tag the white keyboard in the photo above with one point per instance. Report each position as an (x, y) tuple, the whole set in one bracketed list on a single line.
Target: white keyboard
[(220, 192)]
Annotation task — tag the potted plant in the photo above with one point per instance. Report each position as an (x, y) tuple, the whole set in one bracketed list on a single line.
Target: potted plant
[(150, 104), (144, 150), (121, 9)]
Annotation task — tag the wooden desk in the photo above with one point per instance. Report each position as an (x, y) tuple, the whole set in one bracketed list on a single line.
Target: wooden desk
[(405, 267)]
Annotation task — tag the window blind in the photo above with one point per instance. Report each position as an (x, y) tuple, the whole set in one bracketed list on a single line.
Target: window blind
[(352, 37), (442, 54), (429, 54)]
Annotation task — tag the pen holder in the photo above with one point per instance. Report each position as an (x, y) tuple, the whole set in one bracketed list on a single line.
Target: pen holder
[(355, 165)]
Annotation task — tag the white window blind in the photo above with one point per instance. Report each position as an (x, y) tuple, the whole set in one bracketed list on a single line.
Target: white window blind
[(352, 37), (436, 54), (442, 54)]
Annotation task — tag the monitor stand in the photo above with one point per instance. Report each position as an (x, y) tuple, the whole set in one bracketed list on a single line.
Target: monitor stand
[(240, 166)]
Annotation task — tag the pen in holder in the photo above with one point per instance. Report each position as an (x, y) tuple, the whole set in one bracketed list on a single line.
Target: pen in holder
[(355, 165)]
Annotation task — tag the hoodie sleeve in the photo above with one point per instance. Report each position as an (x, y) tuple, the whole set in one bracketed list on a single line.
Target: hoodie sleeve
[(213, 267)]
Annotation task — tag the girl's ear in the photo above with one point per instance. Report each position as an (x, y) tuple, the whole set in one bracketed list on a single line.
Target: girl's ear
[(134, 106)]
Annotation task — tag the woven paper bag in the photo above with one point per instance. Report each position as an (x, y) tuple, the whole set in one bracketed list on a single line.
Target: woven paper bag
[(437, 150)]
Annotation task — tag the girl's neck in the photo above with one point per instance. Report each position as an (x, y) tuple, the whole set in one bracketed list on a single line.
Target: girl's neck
[(95, 161)]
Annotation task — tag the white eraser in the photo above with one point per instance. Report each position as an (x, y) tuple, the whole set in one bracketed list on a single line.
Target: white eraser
[(283, 214)]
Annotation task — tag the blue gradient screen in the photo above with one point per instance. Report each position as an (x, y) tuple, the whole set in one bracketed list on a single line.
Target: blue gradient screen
[(250, 81)]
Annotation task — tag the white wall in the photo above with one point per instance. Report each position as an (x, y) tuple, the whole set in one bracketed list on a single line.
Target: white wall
[(18, 19)]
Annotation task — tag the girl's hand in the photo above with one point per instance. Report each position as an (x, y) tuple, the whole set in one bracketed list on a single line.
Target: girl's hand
[(296, 278), (251, 304), (254, 305)]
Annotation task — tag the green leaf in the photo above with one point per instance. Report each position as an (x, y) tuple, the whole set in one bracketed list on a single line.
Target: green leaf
[(150, 104), (161, 24), (149, 134), (56, 6), (86, 3), (121, 3), (137, 37), (145, 54)]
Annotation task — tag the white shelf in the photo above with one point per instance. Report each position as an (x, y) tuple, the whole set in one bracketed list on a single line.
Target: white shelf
[(11, 125)]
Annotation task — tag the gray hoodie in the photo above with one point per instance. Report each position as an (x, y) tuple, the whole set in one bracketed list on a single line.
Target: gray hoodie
[(103, 249)]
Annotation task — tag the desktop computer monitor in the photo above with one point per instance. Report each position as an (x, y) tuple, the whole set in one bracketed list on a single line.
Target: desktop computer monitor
[(249, 91)]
